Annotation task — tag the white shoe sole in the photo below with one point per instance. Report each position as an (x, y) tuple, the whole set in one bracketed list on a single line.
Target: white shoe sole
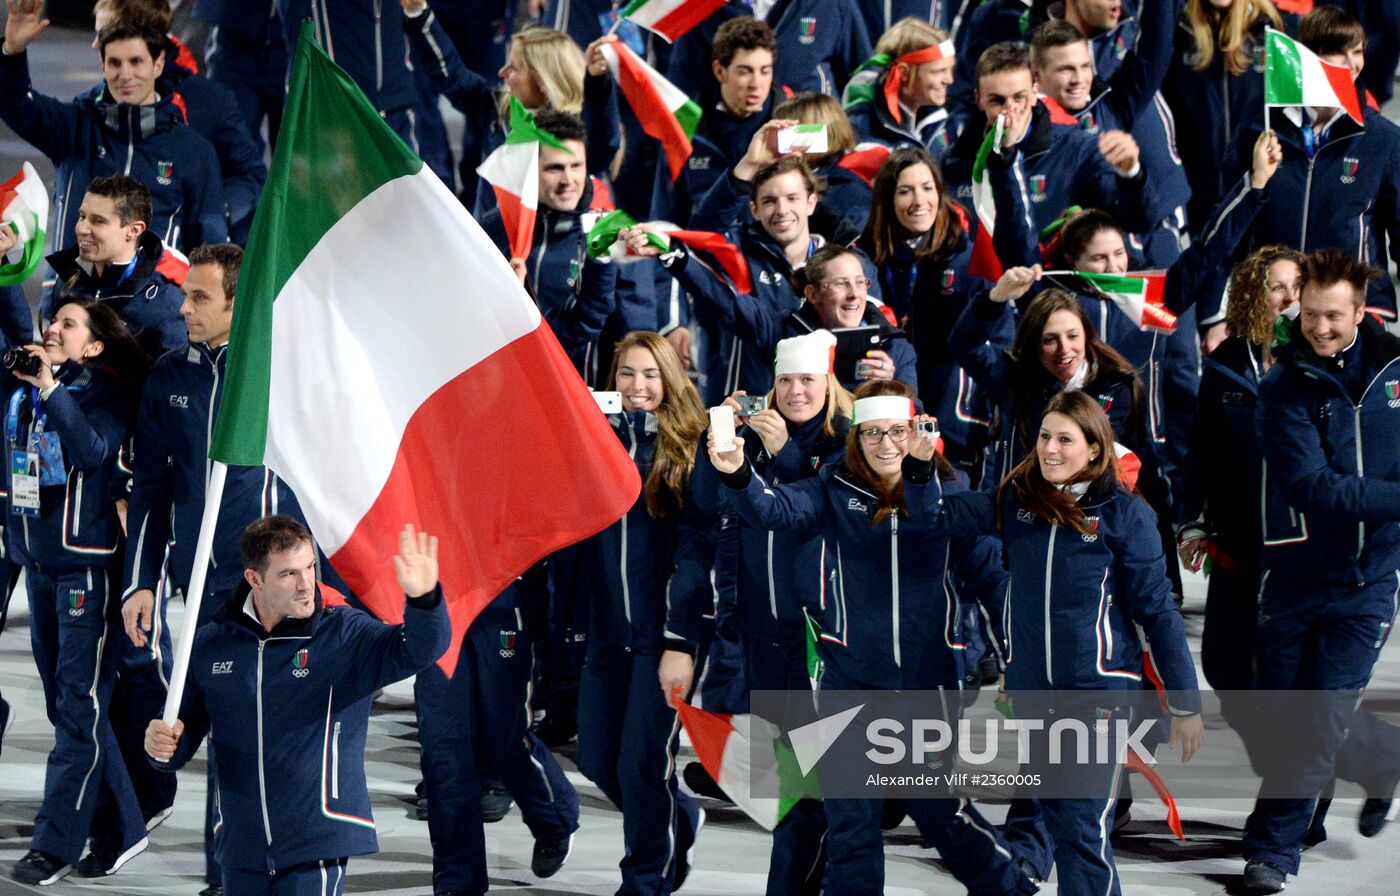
[(57, 876), (159, 817), (136, 849)]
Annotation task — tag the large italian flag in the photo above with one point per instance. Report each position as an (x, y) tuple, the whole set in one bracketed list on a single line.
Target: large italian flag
[(1295, 76), (670, 18), (984, 261), (24, 207), (388, 365)]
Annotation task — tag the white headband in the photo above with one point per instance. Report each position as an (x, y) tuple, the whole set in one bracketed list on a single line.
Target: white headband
[(813, 352), (883, 407)]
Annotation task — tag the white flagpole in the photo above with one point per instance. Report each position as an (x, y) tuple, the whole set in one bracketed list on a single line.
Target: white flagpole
[(203, 547)]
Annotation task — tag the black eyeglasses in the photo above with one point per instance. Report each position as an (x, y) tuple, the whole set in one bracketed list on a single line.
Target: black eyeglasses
[(874, 435)]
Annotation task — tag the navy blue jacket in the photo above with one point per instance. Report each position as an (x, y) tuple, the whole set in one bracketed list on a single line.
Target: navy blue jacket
[(1063, 167), (287, 712), (779, 572), (576, 294), (821, 43), (1225, 466), (257, 20), (364, 37), (1022, 390), (94, 137), (932, 128), (1216, 104), (143, 298), (77, 526), (991, 22), (211, 110), (169, 471), (1345, 197), (890, 609), (879, 15), (1075, 601), (16, 324), (646, 580), (720, 141), (1332, 481), (844, 193)]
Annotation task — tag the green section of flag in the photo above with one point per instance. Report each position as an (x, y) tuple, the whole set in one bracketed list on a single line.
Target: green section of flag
[(1283, 70), (333, 150), (604, 234), (989, 145), (688, 116), (1113, 283), (18, 271), (814, 660), (524, 130)]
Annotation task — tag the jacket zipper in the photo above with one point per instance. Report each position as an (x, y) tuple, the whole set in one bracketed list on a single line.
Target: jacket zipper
[(130, 145), (1049, 559), (78, 502), (1307, 200), (262, 777), (1106, 605), (335, 762), (378, 47), (894, 581), (544, 247), (841, 584), (1360, 471), (626, 590), (772, 588)]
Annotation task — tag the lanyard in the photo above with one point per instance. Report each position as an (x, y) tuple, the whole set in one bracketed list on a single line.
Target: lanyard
[(1309, 140), (12, 417)]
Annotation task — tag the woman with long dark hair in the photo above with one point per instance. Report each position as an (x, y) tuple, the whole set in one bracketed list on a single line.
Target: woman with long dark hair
[(66, 418), (891, 616), (1083, 582), (921, 242), (646, 579)]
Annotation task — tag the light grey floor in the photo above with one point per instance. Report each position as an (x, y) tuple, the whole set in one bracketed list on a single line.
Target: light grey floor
[(732, 855)]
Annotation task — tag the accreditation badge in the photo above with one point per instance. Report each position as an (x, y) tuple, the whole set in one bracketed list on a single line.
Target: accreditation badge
[(24, 482)]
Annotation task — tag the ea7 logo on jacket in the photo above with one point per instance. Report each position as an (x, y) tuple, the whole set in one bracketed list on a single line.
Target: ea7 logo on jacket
[(507, 644), (855, 504), (699, 163), (299, 662), (1349, 166), (1392, 392), (179, 401), (75, 603), (223, 667), (1025, 516)]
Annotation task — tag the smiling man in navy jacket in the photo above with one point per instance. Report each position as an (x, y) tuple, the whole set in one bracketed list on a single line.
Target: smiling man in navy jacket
[(285, 678)]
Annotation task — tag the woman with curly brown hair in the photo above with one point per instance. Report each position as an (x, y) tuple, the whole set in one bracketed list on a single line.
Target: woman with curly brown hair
[(1224, 471)]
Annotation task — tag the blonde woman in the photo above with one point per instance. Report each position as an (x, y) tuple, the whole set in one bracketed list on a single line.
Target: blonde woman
[(899, 99)]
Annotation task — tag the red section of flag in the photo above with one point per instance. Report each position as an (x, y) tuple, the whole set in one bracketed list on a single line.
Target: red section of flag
[(657, 121), (865, 161), (602, 196), (172, 265), (708, 733), (730, 259), (1297, 7), (519, 222), (1058, 115), (460, 475), (685, 17), (1339, 79), (1135, 764), (984, 262), (183, 56)]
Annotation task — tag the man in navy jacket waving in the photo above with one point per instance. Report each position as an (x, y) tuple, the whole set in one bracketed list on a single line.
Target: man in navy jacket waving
[(285, 679)]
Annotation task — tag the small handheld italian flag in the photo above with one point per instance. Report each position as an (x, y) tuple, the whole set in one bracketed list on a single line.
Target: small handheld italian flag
[(1295, 76), (1140, 295), (670, 18), (664, 111), (602, 240), (984, 261), (24, 207), (745, 753), (513, 171)]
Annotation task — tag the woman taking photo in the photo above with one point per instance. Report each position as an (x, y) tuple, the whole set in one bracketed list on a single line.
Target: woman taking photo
[(890, 621), (1083, 582), (646, 581), (921, 244), (67, 416), (778, 580)]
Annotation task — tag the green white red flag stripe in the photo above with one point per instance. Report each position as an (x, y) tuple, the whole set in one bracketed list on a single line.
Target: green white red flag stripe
[(513, 171), (984, 262), (382, 405), (664, 111), (740, 750), (24, 207), (1295, 76), (670, 18), (730, 258), (1140, 295)]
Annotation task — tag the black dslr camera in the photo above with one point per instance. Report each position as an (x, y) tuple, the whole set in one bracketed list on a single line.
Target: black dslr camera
[(17, 360)]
